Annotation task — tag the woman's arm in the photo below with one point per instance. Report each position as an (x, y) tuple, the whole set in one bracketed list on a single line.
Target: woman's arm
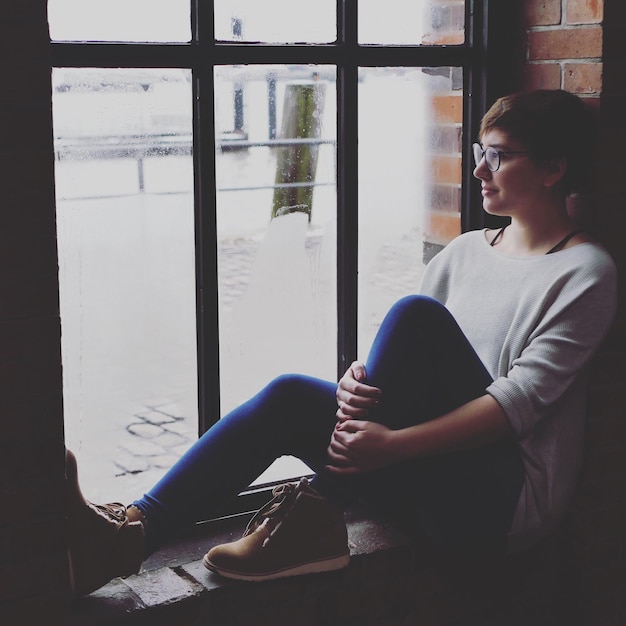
[(359, 446)]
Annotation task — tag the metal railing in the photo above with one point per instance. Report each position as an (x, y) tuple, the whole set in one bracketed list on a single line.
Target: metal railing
[(140, 147)]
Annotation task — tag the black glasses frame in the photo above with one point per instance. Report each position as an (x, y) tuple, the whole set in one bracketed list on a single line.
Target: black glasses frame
[(480, 152)]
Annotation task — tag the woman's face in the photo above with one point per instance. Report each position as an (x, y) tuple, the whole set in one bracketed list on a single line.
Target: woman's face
[(517, 184)]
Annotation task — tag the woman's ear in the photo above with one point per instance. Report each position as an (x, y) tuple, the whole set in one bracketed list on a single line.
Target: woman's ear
[(555, 170)]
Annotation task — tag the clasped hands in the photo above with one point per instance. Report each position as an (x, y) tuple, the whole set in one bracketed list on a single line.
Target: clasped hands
[(358, 445)]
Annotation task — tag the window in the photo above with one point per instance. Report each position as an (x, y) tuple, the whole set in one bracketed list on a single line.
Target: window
[(209, 238)]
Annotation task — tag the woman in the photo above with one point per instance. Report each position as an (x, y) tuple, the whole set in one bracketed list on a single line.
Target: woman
[(466, 422)]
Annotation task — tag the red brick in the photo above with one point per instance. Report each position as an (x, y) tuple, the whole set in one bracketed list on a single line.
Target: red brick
[(446, 169), (542, 12), (440, 227), (571, 43), (583, 78), (443, 39), (542, 76), (584, 11), (445, 198), (447, 109)]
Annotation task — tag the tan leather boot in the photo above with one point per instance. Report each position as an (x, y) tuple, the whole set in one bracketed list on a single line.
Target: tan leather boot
[(104, 543), (297, 532)]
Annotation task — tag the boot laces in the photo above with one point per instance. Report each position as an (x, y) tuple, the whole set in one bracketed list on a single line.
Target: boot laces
[(115, 511), (276, 508)]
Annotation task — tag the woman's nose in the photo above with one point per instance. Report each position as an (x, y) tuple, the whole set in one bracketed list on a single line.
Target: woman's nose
[(481, 171)]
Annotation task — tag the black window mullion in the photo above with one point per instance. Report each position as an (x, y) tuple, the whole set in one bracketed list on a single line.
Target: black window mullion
[(474, 78), (347, 185), (114, 55), (207, 303)]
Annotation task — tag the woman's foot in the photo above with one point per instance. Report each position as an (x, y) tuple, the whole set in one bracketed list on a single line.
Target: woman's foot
[(298, 532), (104, 542)]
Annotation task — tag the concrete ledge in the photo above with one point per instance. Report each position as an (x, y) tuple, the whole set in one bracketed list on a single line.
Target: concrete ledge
[(390, 581)]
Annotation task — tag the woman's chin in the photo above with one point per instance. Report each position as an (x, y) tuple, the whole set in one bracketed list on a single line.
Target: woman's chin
[(494, 209)]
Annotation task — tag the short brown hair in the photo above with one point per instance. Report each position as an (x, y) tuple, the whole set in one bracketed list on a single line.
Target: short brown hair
[(551, 123)]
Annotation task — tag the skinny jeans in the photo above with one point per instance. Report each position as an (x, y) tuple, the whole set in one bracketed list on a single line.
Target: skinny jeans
[(463, 502)]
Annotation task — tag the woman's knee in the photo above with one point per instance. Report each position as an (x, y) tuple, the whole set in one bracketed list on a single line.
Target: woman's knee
[(418, 305), (298, 390), (287, 385), (417, 311)]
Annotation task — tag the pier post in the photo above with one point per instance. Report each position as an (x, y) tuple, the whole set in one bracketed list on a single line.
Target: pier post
[(302, 113)]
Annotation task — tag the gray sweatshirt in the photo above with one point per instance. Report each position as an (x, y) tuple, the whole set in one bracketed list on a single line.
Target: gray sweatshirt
[(535, 324)]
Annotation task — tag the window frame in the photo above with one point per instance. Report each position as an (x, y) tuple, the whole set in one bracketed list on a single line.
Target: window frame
[(486, 70)]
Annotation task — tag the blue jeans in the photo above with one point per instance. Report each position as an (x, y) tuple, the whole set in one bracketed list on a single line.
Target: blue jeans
[(425, 366)]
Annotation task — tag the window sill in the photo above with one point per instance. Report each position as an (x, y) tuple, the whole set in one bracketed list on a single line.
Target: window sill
[(174, 587), (390, 581)]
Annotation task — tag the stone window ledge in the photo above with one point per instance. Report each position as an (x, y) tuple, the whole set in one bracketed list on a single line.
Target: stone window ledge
[(173, 586), (391, 581)]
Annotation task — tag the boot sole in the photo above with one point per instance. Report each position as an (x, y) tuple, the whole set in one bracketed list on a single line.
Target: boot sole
[(315, 567)]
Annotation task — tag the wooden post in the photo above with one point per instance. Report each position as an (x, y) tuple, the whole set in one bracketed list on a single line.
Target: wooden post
[(302, 112)]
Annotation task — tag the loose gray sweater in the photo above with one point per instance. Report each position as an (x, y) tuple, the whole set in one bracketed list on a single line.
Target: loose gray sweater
[(535, 323)]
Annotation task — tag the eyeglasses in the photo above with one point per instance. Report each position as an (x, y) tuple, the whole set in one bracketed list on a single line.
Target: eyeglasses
[(492, 156)]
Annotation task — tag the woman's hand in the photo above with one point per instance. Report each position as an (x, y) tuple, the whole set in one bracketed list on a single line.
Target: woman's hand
[(355, 398), (358, 446)]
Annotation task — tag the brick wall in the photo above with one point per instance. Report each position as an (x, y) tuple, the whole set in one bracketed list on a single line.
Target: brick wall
[(442, 218), (564, 45), (580, 45), (33, 569)]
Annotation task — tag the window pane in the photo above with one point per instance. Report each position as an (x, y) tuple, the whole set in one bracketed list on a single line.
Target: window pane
[(397, 22), (276, 21), (410, 120), (276, 211), (120, 20), (125, 221)]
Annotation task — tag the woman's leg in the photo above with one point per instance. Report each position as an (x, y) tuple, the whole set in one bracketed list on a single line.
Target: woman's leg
[(292, 415), (425, 367)]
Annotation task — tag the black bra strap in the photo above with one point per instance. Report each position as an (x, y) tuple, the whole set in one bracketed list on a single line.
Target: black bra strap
[(564, 240), (498, 235), (555, 248)]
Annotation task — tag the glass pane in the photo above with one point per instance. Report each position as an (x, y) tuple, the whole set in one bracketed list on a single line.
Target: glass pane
[(276, 21), (398, 22), (125, 220), (120, 20), (410, 120), (276, 213)]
